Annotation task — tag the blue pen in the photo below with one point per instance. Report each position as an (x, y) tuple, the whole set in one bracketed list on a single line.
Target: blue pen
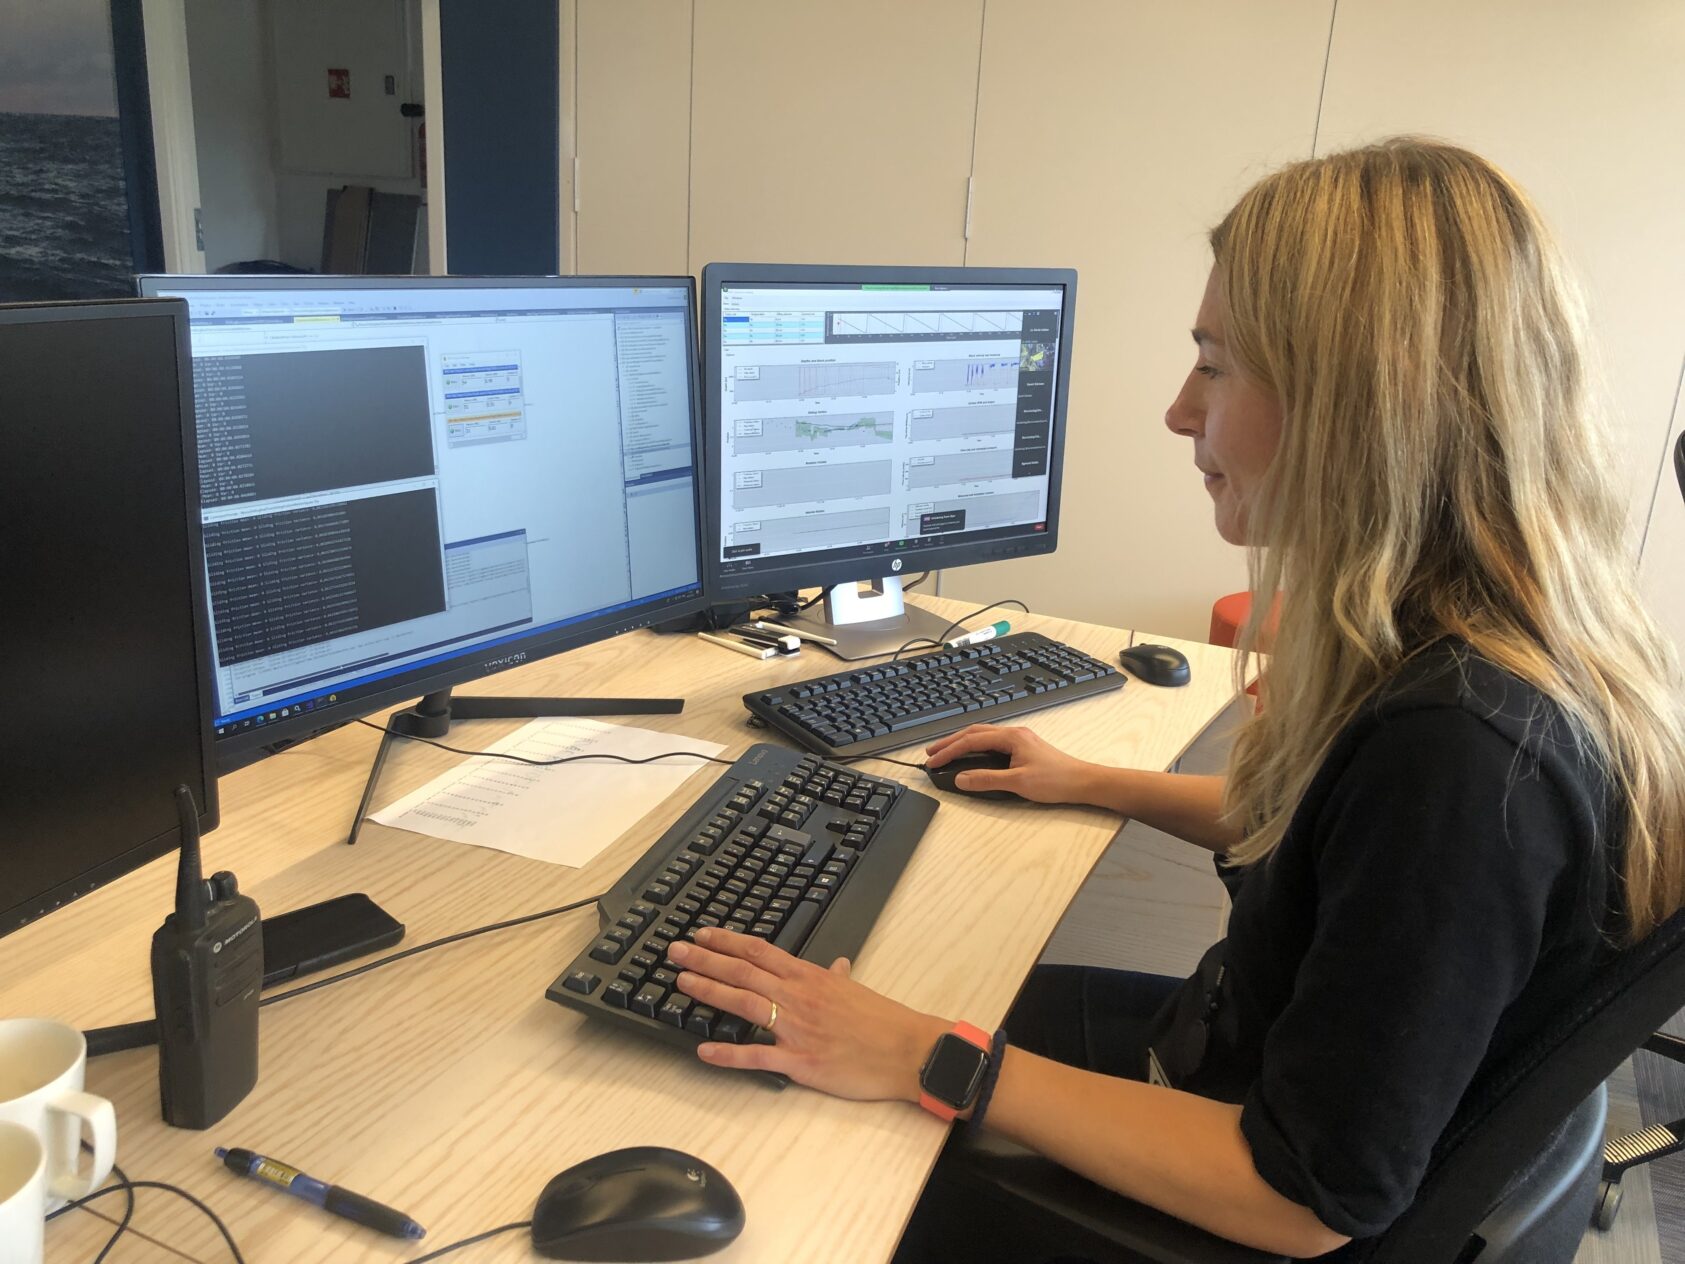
[(342, 1202)]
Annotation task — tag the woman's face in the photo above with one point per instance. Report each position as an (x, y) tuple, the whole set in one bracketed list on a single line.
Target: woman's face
[(1235, 423)]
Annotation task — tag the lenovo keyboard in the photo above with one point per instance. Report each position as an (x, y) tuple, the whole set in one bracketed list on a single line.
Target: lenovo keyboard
[(785, 847), (867, 710)]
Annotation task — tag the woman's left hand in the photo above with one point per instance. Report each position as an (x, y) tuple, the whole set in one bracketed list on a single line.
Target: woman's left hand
[(832, 1033)]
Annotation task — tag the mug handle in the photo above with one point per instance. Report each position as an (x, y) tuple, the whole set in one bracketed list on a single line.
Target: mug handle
[(101, 1119)]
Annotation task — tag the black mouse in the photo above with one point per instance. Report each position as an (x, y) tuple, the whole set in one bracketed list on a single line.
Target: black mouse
[(643, 1203), (1156, 664), (943, 778)]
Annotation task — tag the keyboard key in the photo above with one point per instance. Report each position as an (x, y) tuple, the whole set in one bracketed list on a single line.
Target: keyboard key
[(663, 978), (643, 960), (673, 1009), (648, 1000), (731, 1029), (582, 981), (701, 1021), (608, 951), (617, 993), (658, 893), (798, 926)]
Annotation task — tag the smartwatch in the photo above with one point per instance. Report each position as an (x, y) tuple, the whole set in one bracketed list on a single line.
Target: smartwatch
[(952, 1075)]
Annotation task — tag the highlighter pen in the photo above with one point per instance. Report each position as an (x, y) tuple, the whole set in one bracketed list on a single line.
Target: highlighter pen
[(982, 634), (342, 1202)]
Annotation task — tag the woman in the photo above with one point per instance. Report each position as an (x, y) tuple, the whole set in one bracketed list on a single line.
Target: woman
[(1466, 777)]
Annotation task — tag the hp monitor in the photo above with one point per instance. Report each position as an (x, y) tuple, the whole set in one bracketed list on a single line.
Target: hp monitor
[(866, 422), (107, 685), (411, 482)]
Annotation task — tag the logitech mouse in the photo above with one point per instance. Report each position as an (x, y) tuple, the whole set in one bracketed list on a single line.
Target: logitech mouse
[(943, 778), (1156, 664), (642, 1203)]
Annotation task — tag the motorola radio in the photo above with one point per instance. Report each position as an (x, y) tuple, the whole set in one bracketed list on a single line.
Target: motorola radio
[(207, 971)]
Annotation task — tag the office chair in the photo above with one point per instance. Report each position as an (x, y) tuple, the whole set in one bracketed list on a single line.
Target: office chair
[(1633, 1149), (1511, 1181)]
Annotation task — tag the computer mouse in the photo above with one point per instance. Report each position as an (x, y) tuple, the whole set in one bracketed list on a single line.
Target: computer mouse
[(642, 1203), (1156, 664), (943, 778)]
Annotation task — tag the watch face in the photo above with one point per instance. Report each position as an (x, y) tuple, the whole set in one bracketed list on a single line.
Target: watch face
[(954, 1071)]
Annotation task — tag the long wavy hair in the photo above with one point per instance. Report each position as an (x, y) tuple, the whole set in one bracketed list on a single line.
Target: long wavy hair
[(1443, 470)]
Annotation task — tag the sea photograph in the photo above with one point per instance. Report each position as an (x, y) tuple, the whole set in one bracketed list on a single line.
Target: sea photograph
[(63, 211)]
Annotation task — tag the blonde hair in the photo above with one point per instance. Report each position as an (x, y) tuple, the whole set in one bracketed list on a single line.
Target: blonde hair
[(1442, 470)]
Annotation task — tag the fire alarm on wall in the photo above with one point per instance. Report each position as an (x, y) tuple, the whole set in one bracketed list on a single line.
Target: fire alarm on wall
[(339, 81)]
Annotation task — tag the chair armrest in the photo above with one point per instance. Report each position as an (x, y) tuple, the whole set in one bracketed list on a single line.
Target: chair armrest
[(1098, 1217)]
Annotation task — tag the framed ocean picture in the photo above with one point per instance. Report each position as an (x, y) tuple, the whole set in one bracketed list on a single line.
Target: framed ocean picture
[(78, 183)]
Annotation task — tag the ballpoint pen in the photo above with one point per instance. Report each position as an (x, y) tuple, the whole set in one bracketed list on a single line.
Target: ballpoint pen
[(341, 1202)]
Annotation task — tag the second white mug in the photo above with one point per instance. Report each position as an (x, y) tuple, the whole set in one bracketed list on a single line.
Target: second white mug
[(23, 1195)]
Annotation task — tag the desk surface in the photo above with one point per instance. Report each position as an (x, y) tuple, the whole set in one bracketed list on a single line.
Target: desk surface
[(449, 1087)]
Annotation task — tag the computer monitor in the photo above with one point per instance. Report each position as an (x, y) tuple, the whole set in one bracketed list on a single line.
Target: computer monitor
[(412, 482), (107, 684), (867, 422)]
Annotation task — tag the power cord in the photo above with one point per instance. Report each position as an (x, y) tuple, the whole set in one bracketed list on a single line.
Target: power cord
[(959, 622), (546, 763), (103, 1040), (125, 1185)]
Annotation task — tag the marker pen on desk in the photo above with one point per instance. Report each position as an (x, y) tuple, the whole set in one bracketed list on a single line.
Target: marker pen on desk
[(978, 637), (341, 1202), (767, 626)]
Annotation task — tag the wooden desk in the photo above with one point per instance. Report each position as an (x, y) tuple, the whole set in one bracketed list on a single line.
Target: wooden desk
[(450, 1088)]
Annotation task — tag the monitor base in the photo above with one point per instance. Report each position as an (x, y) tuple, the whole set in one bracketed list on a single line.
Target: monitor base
[(432, 716), (876, 638)]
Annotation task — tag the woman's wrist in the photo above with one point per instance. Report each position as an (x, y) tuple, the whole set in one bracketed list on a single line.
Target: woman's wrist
[(1107, 787)]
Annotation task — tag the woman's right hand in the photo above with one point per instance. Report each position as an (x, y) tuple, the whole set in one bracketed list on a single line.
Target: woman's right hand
[(1039, 771)]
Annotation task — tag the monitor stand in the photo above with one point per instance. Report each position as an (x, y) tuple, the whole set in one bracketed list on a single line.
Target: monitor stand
[(432, 716), (873, 623)]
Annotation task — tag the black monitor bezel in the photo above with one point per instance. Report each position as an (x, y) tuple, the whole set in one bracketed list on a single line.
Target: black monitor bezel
[(20, 913), (795, 573), (236, 750)]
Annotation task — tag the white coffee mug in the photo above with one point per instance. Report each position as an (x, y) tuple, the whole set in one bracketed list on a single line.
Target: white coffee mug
[(41, 1067), (23, 1194)]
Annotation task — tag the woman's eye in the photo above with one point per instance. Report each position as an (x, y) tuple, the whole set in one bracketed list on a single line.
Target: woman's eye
[(1206, 370)]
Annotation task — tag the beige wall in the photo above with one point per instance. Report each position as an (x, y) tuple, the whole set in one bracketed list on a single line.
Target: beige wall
[(1108, 135)]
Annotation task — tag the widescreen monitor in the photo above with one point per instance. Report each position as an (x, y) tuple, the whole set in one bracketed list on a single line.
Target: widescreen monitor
[(868, 422), (106, 680), (411, 482)]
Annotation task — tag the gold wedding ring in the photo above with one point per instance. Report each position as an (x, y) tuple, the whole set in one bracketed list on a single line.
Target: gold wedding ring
[(773, 1021)]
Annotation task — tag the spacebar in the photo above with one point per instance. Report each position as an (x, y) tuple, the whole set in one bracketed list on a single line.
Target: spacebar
[(925, 717), (793, 934)]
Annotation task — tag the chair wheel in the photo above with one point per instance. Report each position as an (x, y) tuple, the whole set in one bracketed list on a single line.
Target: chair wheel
[(1608, 1204)]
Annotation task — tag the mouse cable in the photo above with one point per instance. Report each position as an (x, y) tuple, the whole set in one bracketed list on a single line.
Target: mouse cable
[(478, 1237), (103, 1040), (545, 763), (124, 1184), (937, 641)]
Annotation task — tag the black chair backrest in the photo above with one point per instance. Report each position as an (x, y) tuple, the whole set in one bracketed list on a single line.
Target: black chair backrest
[(1510, 1112), (1679, 463)]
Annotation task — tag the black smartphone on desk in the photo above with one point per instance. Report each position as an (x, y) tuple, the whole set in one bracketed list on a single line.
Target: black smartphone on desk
[(317, 936)]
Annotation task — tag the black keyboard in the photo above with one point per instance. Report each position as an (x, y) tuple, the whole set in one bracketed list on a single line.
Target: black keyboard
[(785, 847), (867, 710)]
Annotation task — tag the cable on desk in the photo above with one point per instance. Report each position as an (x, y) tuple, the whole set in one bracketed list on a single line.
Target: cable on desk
[(545, 763), (478, 1237), (128, 1214), (432, 943), (943, 635), (102, 1040), (131, 1186)]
